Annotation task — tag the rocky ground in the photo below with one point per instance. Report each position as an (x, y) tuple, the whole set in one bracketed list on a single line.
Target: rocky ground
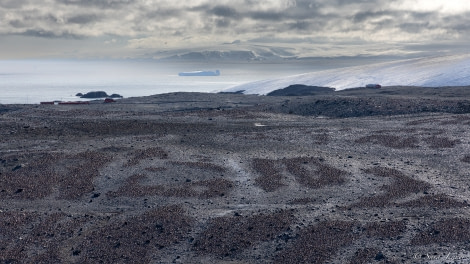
[(359, 176)]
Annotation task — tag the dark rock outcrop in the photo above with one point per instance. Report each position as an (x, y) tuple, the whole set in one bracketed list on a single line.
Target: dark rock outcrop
[(99, 94), (236, 92), (300, 90)]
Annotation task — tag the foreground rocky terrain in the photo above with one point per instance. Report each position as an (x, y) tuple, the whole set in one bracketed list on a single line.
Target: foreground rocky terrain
[(359, 176)]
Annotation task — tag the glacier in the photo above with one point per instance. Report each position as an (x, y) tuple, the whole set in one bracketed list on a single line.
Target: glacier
[(438, 71)]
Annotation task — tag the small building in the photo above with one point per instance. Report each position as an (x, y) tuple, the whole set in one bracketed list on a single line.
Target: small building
[(373, 85)]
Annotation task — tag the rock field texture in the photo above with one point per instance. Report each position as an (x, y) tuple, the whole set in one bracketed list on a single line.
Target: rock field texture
[(358, 176)]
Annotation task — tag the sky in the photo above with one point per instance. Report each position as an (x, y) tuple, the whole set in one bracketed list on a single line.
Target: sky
[(157, 28)]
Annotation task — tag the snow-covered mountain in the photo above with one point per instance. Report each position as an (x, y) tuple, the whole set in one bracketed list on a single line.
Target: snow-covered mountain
[(229, 52), (451, 70), (213, 56)]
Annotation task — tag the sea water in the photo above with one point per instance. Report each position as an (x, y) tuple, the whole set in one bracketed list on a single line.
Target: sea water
[(34, 81)]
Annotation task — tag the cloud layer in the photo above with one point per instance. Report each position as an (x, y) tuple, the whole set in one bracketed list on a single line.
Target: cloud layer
[(164, 24)]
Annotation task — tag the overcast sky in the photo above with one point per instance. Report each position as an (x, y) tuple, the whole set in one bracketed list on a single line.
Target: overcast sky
[(136, 28)]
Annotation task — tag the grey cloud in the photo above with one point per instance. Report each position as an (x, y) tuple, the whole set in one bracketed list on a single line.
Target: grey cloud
[(49, 34), (203, 8), (307, 4), (177, 33), (293, 13), (436, 46), (419, 22), (333, 20), (414, 27), (303, 17), (10, 4), (366, 15), (224, 11), (461, 28), (17, 23), (98, 3), (300, 25), (223, 23), (364, 4), (31, 19), (241, 12), (383, 23), (458, 23), (39, 33), (423, 15), (306, 25), (163, 13), (263, 15), (309, 16), (83, 19), (270, 39)]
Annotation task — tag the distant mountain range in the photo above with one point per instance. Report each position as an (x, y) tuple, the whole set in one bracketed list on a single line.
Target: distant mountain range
[(214, 56), (451, 70), (229, 52)]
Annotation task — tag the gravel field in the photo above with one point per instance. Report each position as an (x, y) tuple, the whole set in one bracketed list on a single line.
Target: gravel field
[(354, 176)]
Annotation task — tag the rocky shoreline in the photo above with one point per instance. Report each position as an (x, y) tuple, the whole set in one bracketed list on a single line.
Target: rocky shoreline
[(357, 176)]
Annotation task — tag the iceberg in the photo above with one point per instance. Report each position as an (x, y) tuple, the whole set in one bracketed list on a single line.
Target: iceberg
[(200, 73)]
